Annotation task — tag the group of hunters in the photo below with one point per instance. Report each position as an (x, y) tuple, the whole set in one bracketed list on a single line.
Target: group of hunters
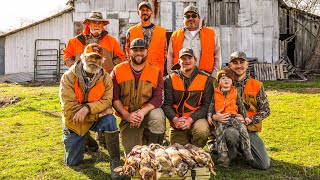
[(102, 77)]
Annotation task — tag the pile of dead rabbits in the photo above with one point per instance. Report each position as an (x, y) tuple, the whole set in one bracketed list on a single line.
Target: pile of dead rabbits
[(150, 162)]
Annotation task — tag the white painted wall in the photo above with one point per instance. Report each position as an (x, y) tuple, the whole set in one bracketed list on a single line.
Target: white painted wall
[(19, 47)]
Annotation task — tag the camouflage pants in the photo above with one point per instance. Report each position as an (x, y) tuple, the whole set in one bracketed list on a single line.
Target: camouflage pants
[(221, 142)]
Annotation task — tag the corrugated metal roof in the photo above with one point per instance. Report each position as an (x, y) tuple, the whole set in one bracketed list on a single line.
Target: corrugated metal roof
[(38, 22), (17, 77)]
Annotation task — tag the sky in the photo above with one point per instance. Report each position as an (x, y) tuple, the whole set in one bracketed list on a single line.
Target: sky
[(12, 11)]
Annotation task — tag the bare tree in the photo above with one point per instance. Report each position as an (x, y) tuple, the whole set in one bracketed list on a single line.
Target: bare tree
[(23, 21), (305, 5)]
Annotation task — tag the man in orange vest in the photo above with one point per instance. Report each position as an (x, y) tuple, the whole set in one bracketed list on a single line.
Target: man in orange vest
[(154, 35), (94, 32), (85, 92), (138, 96), (257, 106), (201, 40), (188, 93)]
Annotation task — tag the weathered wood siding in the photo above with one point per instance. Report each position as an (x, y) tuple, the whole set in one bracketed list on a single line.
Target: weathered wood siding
[(20, 46), (305, 27), (249, 26)]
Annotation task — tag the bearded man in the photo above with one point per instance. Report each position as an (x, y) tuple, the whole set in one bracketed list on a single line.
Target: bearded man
[(85, 92), (138, 96), (154, 35)]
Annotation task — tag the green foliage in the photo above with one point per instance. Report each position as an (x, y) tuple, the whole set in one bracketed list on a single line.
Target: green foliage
[(31, 137)]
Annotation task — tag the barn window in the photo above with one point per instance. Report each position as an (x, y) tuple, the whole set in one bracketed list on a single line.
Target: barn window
[(223, 12)]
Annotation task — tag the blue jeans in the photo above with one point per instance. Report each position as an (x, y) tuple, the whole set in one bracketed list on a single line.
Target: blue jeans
[(73, 143)]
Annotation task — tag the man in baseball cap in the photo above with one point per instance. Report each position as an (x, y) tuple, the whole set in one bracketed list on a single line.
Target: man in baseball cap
[(137, 97), (204, 43), (188, 93), (86, 99), (154, 35), (257, 107)]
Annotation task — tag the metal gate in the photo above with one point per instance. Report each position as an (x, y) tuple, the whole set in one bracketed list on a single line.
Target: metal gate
[(48, 59)]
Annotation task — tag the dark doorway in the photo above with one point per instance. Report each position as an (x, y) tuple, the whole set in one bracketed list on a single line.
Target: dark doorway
[(290, 40)]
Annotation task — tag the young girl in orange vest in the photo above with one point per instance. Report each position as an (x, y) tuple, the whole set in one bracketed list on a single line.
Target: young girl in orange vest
[(227, 101)]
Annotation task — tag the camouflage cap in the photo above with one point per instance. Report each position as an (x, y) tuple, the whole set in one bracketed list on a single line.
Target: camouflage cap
[(186, 51), (225, 72), (138, 42), (238, 55), (190, 8), (144, 3), (93, 49), (95, 16)]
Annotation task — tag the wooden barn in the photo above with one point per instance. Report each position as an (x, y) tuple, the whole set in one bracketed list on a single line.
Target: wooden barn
[(267, 30)]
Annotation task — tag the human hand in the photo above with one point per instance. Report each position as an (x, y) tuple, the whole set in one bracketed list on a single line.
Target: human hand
[(240, 118), (187, 123), (106, 112), (135, 119), (80, 115), (222, 118), (132, 118), (176, 122), (211, 121), (140, 113), (247, 121)]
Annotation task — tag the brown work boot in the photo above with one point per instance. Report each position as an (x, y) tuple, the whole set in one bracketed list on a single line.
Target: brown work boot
[(223, 160), (248, 157)]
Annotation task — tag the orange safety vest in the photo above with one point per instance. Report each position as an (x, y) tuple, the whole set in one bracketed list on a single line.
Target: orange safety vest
[(156, 54), (94, 94), (228, 103), (249, 97), (194, 94), (133, 98), (109, 44), (207, 38)]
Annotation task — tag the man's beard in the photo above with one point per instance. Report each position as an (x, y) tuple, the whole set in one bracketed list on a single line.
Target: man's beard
[(135, 61), (145, 18), (92, 68), (95, 32)]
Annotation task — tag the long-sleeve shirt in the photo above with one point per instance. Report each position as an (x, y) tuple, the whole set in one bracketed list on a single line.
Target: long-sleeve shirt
[(168, 97), (157, 93), (194, 43), (263, 109)]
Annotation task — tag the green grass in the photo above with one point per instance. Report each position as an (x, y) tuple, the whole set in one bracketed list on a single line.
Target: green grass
[(31, 145)]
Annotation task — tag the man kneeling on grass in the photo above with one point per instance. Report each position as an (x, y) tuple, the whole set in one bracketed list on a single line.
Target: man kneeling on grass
[(86, 92)]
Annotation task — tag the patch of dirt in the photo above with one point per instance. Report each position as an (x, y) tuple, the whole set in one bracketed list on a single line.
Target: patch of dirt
[(7, 101)]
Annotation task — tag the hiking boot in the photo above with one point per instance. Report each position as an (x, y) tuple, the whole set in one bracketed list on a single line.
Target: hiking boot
[(213, 149), (90, 145), (155, 138), (223, 160), (248, 157)]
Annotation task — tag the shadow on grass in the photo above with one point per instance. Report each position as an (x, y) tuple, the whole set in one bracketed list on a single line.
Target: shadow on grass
[(278, 170), (89, 165)]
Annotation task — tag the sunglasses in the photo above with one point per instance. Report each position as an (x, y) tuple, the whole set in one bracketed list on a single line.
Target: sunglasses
[(189, 16)]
